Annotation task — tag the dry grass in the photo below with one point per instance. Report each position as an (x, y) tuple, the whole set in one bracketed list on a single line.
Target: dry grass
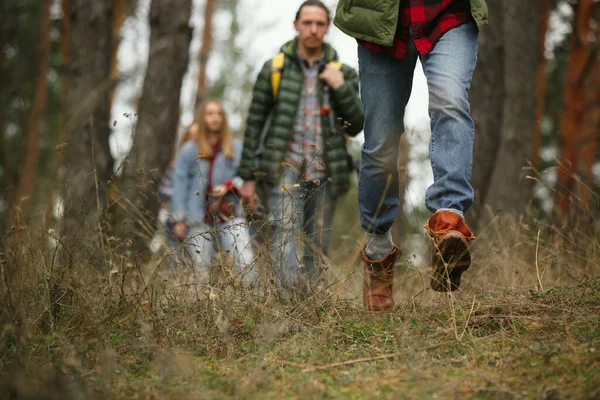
[(525, 325)]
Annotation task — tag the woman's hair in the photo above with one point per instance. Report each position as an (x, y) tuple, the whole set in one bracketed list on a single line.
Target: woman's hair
[(187, 135), (204, 148)]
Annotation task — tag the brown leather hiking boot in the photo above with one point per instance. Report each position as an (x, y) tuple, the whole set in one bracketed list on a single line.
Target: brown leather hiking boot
[(450, 249), (378, 281)]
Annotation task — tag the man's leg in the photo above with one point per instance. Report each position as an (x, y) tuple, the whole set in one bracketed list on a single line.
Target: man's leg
[(285, 215), (319, 208), (449, 69), (386, 84)]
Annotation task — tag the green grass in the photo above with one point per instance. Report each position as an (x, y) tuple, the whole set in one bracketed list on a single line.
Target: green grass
[(525, 325), (541, 345)]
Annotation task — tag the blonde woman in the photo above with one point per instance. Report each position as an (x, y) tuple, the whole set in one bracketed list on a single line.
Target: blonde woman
[(162, 236), (205, 204)]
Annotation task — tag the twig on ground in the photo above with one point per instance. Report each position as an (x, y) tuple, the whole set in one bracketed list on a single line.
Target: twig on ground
[(537, 268), (468, 320), (369, 359)]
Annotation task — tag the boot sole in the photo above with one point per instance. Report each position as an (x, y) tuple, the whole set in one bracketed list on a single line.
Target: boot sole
[(378, 309), (452, 259)]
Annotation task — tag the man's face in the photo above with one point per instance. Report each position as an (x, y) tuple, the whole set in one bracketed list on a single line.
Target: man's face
[(312, 25)]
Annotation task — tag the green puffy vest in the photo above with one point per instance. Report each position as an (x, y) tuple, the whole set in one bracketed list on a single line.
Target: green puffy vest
[(375, 20)]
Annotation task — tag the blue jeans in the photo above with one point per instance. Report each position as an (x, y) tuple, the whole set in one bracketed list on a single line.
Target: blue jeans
[(300, 216), (204, 240), (386, 84), (319, 208)]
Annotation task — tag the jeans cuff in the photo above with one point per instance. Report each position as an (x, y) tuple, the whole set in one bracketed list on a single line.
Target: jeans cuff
[(455, 211)]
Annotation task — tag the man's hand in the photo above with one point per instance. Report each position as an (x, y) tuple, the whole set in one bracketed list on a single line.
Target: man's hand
[(180, 230), (248, 191), (332, 76)]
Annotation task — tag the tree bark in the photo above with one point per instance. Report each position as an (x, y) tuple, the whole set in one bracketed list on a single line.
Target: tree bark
[(6, 35), (62, 135), (589, 142), (540, 82), (158, 115), (510, 191), (487, 102), (571, 120), (118, 19), (205, 50), (588, 146), (504, 109), (3, 153), (89, 163), (27, 176)]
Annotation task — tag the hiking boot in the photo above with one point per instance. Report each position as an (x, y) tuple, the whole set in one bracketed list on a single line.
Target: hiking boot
[(378, 281), (450, 249)]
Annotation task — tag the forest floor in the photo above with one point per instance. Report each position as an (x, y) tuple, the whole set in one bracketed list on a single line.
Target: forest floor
[(513, 344), (89, 323)]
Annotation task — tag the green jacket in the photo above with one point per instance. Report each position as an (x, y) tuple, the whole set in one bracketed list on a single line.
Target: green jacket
[(345, 107), (375, 20)]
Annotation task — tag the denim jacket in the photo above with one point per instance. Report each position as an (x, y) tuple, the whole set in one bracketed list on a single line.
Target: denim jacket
[(190, 181)]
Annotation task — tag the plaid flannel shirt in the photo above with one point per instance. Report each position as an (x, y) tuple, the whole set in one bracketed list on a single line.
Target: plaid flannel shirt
[(306, 148), (429, 20)]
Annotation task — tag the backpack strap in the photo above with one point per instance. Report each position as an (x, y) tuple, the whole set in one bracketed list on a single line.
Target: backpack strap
[(336, 64), (276, 70), (326, 96)]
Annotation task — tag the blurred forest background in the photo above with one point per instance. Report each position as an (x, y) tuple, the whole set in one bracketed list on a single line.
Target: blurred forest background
[(93, 96), (68, 155)]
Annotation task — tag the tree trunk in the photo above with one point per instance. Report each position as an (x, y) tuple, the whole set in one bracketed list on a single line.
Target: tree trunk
[(510, 191), (3, 153), (205, 50), (158, 114), (504, 109), (7, 33), (27, 177), (540, 82), (588, 146), (3, 158), (589, 142), (62, 135), (89, 163), (118, 18), (571, 120), (487, 102)]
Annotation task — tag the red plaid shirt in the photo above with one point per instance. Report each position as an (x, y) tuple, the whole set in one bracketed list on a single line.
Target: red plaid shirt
[(429, 19)]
